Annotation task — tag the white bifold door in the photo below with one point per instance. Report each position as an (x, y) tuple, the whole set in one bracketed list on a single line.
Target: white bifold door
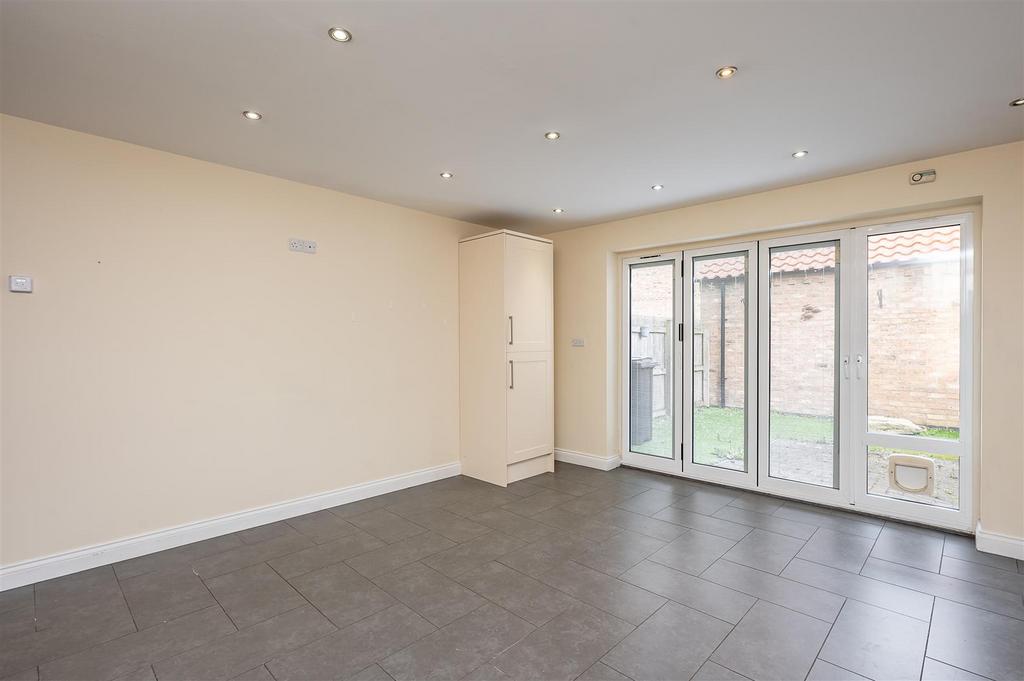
[(832, 367)]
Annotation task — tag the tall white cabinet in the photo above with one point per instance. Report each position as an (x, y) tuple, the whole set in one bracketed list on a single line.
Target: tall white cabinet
[(506, 377)]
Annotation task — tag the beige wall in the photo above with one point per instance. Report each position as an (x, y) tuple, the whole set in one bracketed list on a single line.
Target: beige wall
[(176, 362), (989, 180)]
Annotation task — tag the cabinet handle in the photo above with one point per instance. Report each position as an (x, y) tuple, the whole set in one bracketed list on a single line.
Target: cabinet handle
[(511, 330), (512, 375)]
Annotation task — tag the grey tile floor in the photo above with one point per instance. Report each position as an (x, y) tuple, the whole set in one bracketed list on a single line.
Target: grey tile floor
[(577, 574)]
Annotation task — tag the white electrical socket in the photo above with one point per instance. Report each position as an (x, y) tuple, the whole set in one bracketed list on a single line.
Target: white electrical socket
[(577, 342), (302, 246)]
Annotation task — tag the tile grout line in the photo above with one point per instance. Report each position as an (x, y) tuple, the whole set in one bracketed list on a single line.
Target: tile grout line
[(817, 655)]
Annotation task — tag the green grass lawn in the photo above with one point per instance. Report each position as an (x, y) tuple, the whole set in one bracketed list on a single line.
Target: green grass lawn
[(718, 433)]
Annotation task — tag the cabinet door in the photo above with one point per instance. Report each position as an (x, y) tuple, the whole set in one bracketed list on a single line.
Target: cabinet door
[(528, 294), (530, 412)]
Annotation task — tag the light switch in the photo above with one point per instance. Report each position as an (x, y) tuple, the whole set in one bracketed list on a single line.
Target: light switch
[(577, 342), (19, 284)]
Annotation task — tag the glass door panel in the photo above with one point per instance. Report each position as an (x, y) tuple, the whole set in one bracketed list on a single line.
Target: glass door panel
[(803, 338), (651, 360), (719, 298), (911, 443)]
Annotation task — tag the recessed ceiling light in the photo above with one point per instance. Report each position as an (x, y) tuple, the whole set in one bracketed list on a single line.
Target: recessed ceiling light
[(553, 135), (726, 72), (446, 175), (1017, 102), (339, 34), (657, 187), (557, 210), (799, 154), (252, 115)]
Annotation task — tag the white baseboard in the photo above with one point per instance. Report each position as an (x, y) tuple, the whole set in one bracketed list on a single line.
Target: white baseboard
[(602, 463), (56, 565), (1000, 544)]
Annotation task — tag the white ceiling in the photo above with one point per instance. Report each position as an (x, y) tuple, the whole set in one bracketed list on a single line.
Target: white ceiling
[(471, 87)]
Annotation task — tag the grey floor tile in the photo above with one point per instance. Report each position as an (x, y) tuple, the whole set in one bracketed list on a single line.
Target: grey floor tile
[(708, 597), (457, 649), (15, 599), (386, 525), (616, 555), (357, 507), (400, 553), (976, 640), (814, 515), (321, 526), (760, 503), (342, 594), (258, 674), (474, 553), (792, 639), (963, 548), (876, 643), (765, 551), (262, 533), (481, 502), (882, 594), (599, 671), (703, 523), (520, 594), (522, 488), (940, 671), (837, 549), (141, 674), (562, 484), (672, 644), (176, 558), (826, 671), (450, 525), (621, 599), (322, 555), (641, 524), (565, 647), (778, 590), (546, 554), (911, 546), (139, 650), (245, 649), (692, 551), (75, 598), (487, 672), (253, 594), (435, 597), (372, 673), (347, 652), (576, 524), (790, 528), (30, 674), (250, 554), (648, 502), (513, 524), (950, 588), (706, 501), (712, 671), (542, 501), (996, 578), (161, 596)]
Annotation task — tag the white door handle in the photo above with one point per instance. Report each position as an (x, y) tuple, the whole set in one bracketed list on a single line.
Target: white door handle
[(846, 367), (860, 361)]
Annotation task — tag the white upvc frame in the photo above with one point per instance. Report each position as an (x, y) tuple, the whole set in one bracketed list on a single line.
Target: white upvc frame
[(841, 494), (862, 438), (630, 458), (746, 478)]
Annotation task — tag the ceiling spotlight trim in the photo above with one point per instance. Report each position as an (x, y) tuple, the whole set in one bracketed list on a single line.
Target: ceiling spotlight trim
[(552, 135), (558, 211), (726, 72), (800, 154), (251, 115), (1017, 102), (339, 35), (657, 187), (447, 175)]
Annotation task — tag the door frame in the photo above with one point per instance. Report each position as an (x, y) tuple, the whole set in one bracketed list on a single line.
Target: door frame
[(961, 518), (629, 457), (746, 478)]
